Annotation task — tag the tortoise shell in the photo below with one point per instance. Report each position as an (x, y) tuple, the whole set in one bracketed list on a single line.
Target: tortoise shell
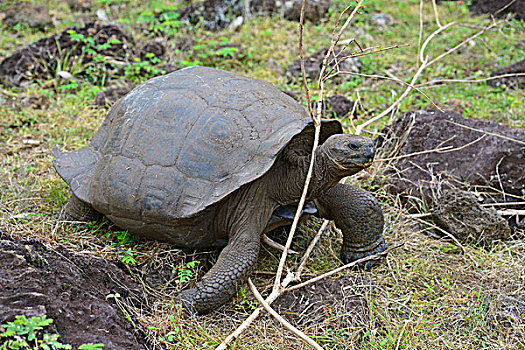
[(179, 143)]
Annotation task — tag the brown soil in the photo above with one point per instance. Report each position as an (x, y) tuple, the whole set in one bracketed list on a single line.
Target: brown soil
[(474, 159), (329, 303), (39, 58), (71, 289), (499, 8)]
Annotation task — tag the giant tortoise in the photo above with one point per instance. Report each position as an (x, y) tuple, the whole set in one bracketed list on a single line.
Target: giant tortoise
[(202, 158)]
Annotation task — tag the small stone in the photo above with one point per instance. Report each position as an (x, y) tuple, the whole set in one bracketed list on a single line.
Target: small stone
[(101, 15), (64, 75), (381, 20)]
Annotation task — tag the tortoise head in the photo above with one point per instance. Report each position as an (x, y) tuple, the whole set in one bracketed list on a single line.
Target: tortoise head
[(345, 155)]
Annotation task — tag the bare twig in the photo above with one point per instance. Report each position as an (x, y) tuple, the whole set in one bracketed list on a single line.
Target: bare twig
[(278, 286), (436, 14), (446, 233), (435, 82), (424, 64), (339, 269), (487, 132), (397, 80), (275, 245), (438, 149), (281, 320), (270, 299), (306, 255)]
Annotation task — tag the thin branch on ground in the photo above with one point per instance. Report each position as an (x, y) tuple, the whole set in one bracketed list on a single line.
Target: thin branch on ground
[(439, 149), (278, 286), (446, 233), (341, 268), (274, 244), (397, 80), (487, 132), (281, 320)]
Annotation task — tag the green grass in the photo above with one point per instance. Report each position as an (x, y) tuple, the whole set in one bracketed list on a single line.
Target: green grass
[(427, 295)]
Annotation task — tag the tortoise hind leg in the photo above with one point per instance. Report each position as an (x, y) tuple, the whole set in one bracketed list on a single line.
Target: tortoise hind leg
[(358, 214), (76, 210)]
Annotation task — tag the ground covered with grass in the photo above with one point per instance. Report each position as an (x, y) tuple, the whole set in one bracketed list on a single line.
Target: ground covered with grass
[(428, 294)]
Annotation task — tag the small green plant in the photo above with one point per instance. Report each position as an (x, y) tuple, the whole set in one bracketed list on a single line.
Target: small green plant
[(241, 297), (140, 70), (184, 271), (29, 334), (96, 70), (91, 346), (126, 242)]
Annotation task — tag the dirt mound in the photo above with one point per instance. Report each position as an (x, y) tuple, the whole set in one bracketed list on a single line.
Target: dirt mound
[(435, 149), (499, 8), (460, 213), (511, 82), (71, 289), (74, 47), (219, 14), (327, 304)]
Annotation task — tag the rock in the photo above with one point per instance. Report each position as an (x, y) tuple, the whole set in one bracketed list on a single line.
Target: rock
[(479, 159), (511, 82), (381, 20), (219, 14), (459, 213), (34, 16), (109, 96), (71, 289), (313, 63), (499, 8)]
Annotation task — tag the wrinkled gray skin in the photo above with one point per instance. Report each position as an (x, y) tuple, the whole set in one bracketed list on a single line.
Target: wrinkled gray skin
[(102, 183)]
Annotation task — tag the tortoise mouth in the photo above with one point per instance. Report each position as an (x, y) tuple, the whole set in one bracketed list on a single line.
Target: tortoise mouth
[(361, 162)]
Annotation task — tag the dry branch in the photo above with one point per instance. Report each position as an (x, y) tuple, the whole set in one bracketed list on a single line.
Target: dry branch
[(281, 320)]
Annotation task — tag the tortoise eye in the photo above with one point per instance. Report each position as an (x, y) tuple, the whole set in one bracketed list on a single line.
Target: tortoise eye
[(353, 146)]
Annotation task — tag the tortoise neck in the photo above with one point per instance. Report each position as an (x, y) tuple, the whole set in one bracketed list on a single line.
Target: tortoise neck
[(286, 179)]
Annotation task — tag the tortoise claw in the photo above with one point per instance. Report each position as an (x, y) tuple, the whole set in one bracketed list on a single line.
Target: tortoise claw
[(186, 299), (378, 247)]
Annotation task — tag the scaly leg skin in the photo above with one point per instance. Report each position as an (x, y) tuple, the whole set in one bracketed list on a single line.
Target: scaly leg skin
[(358, 214), (232, 269), (76, 210)]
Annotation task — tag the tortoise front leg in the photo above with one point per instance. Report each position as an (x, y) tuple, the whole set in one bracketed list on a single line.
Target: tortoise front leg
[(358, 214), (232, 269)]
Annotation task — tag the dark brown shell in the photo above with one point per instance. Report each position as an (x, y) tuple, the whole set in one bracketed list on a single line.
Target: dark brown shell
[(182, 142)]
